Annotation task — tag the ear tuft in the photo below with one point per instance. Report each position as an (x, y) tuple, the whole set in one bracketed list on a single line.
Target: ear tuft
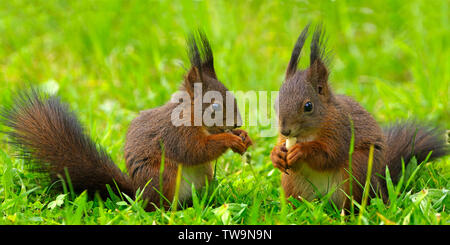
[(318, 47), (200, 54), (319, 59), (206, 55), (318, 76), (201, 58), (295, 56)]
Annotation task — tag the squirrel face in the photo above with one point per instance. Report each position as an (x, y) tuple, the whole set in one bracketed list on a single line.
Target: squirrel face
[(302, 103), (219, 111), (304, 96)]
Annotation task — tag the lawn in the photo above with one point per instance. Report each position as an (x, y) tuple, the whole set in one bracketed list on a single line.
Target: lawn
[(111, 59)]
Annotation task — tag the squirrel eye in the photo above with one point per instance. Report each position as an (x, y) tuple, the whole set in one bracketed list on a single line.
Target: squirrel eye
[(216, 107), (308, 106)]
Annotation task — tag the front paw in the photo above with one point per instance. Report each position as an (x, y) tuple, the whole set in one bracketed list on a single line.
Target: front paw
[(237, 144), (278, 157), (294, 155), (244, 136)]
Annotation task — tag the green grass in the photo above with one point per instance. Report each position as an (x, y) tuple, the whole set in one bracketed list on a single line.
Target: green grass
[(110, 59)]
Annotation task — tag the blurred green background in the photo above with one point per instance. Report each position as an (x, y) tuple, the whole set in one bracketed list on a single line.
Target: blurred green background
[(110, 59)]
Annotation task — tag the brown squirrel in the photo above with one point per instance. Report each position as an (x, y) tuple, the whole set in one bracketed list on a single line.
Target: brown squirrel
[(320, 125), (50, 136)]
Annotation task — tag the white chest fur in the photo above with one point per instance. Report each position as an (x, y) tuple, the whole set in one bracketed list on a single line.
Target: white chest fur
[(310, 184), (196, 176)]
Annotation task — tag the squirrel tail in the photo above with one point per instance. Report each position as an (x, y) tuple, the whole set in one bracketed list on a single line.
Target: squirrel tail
[(49, 137), (408, 139)]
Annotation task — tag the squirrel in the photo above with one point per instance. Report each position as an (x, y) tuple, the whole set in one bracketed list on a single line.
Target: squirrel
[(318, 124), (50, 137)]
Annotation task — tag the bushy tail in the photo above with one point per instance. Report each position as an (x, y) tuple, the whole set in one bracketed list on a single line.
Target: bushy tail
[(408, 139), (49, 136)]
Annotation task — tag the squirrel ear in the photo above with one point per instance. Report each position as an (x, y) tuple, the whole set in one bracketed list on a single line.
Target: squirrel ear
[(319, 57), (192, 77), (318, 77), (208, 69), (202, 61)]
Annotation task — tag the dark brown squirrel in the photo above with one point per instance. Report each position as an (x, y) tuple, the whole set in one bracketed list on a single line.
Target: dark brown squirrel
[(321, 122), (49, 135)]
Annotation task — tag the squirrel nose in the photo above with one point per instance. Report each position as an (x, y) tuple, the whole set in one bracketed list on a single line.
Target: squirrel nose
[(286, 132)]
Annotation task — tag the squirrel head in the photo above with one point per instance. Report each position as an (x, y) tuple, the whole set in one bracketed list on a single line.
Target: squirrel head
[(217, 102), (305, 95)]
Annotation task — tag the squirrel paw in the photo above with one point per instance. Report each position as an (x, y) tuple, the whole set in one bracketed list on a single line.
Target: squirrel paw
[(278, 157), (294, 154), (244, 136), (237, 144)]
